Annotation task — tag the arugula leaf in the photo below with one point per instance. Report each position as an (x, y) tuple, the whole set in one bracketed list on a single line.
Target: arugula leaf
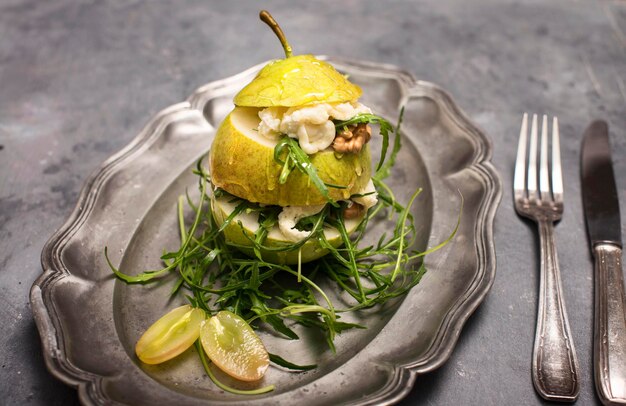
[(383, 171), (278, 360), (295, 157)]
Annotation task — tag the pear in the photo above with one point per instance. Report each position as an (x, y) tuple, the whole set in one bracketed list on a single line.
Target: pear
[(242, 163), (222, 207), (296, 80)]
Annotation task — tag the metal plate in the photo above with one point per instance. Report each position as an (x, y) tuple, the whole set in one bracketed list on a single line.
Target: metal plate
[(88, 321)]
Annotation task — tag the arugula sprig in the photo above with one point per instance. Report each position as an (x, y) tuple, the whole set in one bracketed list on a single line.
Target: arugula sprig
[(289, 154), (383, 169)]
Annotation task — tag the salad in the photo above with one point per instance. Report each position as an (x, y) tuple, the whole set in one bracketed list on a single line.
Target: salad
[(285, 201)]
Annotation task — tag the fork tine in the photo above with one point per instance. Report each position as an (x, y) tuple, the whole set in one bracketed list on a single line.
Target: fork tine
[(532, 161), (557, 175), (519, 179), (544, 178)]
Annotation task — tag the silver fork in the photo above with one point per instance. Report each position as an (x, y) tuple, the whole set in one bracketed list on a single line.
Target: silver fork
[(540, 198)]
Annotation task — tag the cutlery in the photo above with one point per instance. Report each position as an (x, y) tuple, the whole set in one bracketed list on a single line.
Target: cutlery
[(604, 228), (538, 194)]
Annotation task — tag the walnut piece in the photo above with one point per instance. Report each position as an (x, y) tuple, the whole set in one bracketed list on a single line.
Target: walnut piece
[(353, 211), (353, 138)]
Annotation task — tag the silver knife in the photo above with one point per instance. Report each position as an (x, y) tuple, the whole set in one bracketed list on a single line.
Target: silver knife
[(604, 227)]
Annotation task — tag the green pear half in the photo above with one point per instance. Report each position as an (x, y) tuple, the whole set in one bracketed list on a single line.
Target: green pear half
[(242, 163), (297, 81), (223, 206)]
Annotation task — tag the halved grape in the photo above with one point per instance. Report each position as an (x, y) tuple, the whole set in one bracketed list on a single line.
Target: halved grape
[(171, 335), (232, 345)]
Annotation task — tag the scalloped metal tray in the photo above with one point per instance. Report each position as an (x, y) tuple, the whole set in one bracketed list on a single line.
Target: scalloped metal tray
[(88, 321)]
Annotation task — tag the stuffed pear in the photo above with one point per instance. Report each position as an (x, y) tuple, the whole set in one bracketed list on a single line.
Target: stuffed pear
[(297, 141)]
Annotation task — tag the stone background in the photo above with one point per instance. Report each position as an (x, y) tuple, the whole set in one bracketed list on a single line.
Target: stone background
[(79, 79)]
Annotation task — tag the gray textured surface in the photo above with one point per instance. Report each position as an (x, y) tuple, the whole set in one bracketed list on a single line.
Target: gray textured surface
[(79, 79)]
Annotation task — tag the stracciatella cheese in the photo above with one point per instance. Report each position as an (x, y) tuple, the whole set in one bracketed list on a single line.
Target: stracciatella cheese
[(311, 125), (369, 198), (289, 217)]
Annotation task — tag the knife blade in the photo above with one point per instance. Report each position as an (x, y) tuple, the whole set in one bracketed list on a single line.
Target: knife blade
[(601, 207), (599, 192)]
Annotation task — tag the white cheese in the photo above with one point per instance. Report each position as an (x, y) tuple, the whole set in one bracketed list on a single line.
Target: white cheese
[(289, 217), (269, 127), (368, 200), (311, 125)]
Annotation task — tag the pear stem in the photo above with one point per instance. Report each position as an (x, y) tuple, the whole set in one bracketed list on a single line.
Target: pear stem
[(267, 18)]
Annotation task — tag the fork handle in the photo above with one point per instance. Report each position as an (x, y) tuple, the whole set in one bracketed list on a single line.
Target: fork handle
[(609, 348), (555, 366)]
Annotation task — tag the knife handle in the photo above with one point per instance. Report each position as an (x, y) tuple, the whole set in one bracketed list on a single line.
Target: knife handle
[(555, 365), (610, 325)]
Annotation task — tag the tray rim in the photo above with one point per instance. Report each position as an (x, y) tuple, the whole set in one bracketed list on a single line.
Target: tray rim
[(403, 377)]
